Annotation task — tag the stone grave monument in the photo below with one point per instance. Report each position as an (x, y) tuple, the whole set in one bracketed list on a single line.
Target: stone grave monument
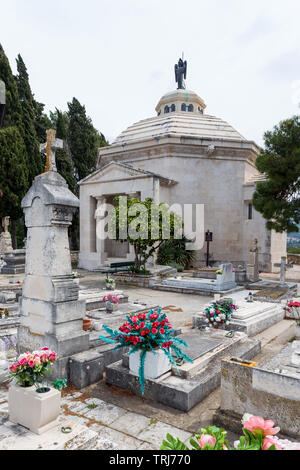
[(252, 267), (5, 237), (51, 314), (224, 283)]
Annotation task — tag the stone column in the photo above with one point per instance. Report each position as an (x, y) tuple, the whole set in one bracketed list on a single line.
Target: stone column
[(100, 216), (51, 314)]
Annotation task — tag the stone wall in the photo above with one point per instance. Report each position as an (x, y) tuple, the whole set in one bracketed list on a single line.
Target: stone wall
[(132, 279), (259, 392)]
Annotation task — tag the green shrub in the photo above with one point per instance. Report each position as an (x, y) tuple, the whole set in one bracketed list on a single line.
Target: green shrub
[(174, 251)]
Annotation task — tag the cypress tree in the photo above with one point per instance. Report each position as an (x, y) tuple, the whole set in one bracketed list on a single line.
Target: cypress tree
[(278, 198), (83, 139), (41, 121), (13, 110), (13, 162), (13, 172), (34, 159)]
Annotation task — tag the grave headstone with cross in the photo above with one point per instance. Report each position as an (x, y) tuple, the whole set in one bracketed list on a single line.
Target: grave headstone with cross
[(51, 314), (49, 148)]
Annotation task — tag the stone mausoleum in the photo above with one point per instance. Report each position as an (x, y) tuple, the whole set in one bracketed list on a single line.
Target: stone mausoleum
[(182, 155)]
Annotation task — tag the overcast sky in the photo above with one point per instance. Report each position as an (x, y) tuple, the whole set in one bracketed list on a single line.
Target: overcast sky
[(117, 56)]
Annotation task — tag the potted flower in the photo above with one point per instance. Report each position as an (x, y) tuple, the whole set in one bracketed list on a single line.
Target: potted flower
[(31, 403), (110, 283), (111, 302), (258, 434), (292, 310), (151, 341), (219, 313), (86, 323), (219, 273)]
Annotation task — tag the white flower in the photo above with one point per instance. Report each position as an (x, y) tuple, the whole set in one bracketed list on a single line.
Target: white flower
[(235, 444), (246, 417), (206, 320)]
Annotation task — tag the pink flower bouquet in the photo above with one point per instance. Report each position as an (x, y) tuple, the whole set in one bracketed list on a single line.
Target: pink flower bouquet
[(31, 368)]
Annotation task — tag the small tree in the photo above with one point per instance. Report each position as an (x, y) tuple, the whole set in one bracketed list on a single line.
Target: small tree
[(278, 198), (144, 225)]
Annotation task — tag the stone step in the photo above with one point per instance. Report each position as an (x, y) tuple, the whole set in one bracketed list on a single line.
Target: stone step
[(282, 332)]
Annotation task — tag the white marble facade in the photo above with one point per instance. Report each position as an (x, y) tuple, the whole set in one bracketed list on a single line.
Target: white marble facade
[(181, 156)]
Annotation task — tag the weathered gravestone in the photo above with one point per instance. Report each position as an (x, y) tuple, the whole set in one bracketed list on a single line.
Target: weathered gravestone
[(252, 267), (51, 314)]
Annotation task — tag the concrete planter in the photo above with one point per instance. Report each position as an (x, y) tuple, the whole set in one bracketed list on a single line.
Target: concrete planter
[(110, 306), (38, 412), (155, 364)]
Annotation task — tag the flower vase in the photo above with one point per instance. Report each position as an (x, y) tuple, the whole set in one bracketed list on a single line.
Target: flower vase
[(110, 306), (155, 364), (110, 286), (36, 411)]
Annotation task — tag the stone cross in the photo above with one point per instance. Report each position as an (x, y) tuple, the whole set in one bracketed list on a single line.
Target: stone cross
[(283, 267), (50, 148)]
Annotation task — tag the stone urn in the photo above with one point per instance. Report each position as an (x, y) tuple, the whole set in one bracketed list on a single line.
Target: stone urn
[(14, 257), (35, 409), (155, 364)]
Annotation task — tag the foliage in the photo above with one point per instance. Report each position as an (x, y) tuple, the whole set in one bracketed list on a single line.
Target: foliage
[(34, 161), (177, 266), (59, 384), (295, 251), (13, 110), (41, 121), (30, 368), (83, 139), (171, 443), (258, 434), (147, 332), (278, 198), (174, 251), (135, 270), (219, 313), (141, 223), (13, 172)]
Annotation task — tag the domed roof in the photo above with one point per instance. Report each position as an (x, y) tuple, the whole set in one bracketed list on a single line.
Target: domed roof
[(179, 125), (181, 115)]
